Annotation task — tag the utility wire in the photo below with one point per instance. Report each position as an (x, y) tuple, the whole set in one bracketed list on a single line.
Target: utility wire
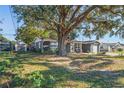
[(12, 19), (9, 34)]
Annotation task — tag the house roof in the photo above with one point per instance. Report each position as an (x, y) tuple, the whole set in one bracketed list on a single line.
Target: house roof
[(109, 44), (91, 42), (20, 43), (75, 41), (86, 42), (122, 44), (51, 40), (118, 45), (114, 45)]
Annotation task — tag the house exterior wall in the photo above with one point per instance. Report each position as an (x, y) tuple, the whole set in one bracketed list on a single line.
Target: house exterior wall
[(110, 47), (5, 46), (20, 47), (53, 45), (71, 47), (94, 48), (104, 47), (86, 48)]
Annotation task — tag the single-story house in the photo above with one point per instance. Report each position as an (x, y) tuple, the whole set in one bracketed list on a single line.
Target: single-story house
[(21, 46), (85, 46), (37, 45), (5, 45), (118, 45), (45, 44), (110, 47)]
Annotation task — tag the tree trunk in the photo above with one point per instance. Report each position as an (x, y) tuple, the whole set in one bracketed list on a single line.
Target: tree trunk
[(61, 45)]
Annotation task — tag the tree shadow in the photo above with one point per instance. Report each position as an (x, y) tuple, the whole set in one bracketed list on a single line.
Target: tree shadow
[(101, 65), (9, 81), (15, 82), (95, 79), (101, 62), (101, 79), (83, 62)]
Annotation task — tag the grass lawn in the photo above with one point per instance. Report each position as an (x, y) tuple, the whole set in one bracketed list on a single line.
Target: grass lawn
[(77, 71)]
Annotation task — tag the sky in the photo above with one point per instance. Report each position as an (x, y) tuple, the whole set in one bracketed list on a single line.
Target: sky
[(7, 24), (9, 29)]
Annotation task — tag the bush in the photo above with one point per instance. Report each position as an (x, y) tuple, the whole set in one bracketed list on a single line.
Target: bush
[(4, 65), (7, 65), (120, 50), (38, 80), (101, 53), (17, 81), (50, 51)]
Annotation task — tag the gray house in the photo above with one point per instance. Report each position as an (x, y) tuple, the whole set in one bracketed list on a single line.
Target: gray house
[(110, 47), (45, 44), (5, 45), (37, 45), (20, 46), (85, 46)]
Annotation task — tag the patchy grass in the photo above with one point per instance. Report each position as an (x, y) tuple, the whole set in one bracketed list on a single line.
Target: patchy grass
[(28, 68), (71, 84), (74, 71)]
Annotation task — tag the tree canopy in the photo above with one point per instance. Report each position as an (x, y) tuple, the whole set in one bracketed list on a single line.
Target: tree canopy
[(94, 20), (2, 38), (28, 34)]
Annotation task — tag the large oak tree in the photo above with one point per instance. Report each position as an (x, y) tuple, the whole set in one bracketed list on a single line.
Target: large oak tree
[(65, 19)]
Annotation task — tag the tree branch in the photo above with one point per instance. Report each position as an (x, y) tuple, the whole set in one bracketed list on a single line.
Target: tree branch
[(79, 19), (74, 13)]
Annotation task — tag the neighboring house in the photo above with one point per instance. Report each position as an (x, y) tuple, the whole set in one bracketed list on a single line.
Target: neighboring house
[(85, 46), (20, 46), (45, 44), (5, 45), (106, 47), (110, 47), (117, 46), (91, 46)]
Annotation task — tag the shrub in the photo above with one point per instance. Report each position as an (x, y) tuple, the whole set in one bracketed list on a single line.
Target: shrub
[(120, 50), (17, 81), (38, 80), (49, 51), (7, 65), (4, 65), (101, 53)]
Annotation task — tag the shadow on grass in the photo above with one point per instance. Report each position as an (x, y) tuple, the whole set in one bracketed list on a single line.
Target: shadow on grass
[(15, 82), (101, 65), (102, 79), (91, 60)]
